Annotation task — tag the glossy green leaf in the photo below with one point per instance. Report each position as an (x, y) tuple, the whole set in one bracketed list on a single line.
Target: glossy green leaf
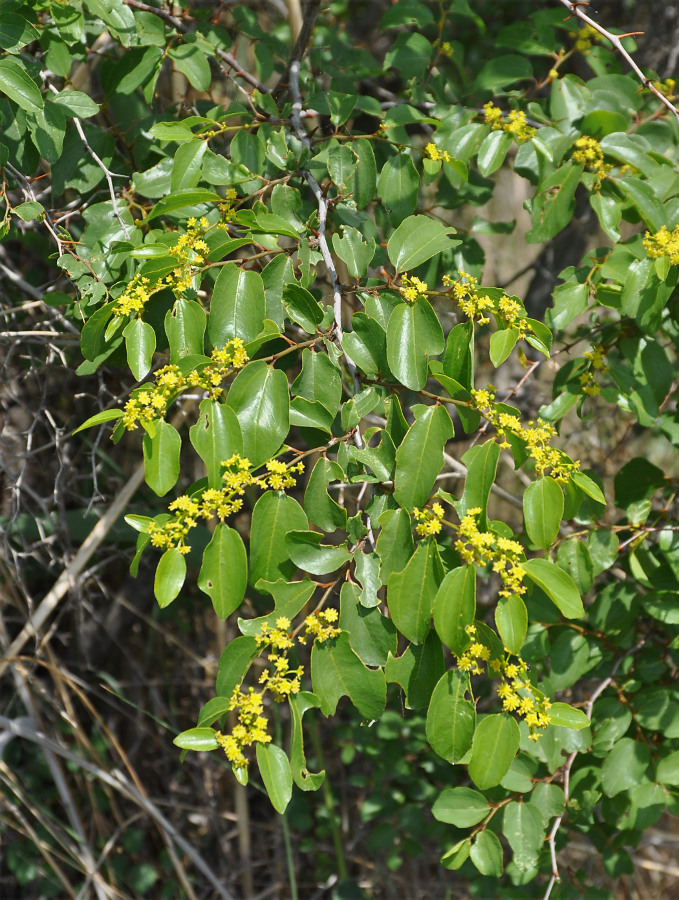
[(273, 517), (501, 345), (416, 240), (413, 335), (187, 165), (455, 608), (366, 345), (371, 634), (554, 204), (336, 672), (234, 663), (496, 742), (289, 599), (420, 457), (238, 307), (16, 83), (417, 670), (319, 505), (216, 437), (140, 343), (500, 71), (224, 573), (302, 307), (411, 593), (303, 778), (304, 548), (398, 186), (523, 827), (395, 542), (161, 457), (557, 584), (199, 739), (365, 175), (625, 766), (341, 165), (76, 103), (511, 619), (460, 806), (481, 462), (259, 398), (170, 577), (183, 199), (274, 767), (486, 854), (106, 415), (543, 506), (493, 151), (356, 253), (191, 60), (451, 717), (568, 716)]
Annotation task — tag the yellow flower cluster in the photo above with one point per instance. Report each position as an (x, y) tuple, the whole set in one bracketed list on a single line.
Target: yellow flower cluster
[(506, 310), (151, 401), (590, 153), (518, 695), (437, 155), (251, 727), (429, 520), (446, 49), (663, 243), (515, 123), (413, 288), (463, 292), (483, 547), (536, 435), (189, 252), (280, 679), (666, 87), (320, 625), (597, 358), (222, 502), (586, 37), (515, 689)]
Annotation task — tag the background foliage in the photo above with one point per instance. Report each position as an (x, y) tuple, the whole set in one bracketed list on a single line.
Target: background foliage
[(434, 621)]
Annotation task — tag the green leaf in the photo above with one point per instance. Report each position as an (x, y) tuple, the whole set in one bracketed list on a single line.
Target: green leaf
[(365, 176), (481, 462), (501, 345), (420, 457), (274, 767), (455, 608), (567, 716), (336, 672), (197, 739), (500, 71), (493, 151), (416, 240), (409, 54), (321, 508), (29, 211), (76, 103), (238, 307), (418, 670), (302, 307), (140, 344), (413, 335), (366, 344), (303, 778), (399, 186), (411, 593), (133, 69), (395, 542), (183, 199), (16, 83), (372, 635), (460, 806), (496, 742), (451, 717), (161, 457), (187, 165), (259, 397), (341, 165), (304, 548), (543, 506), (486, 854), (224, 573), (511, 619), (234, 664), (554, 203), (319, 381), (642, 196), (170, 576), (558, 586), (106, 415), (668, 769), (274, 516), (523, 827), (573, 557), (288, 597), (354, 251), (190, 59), (625, 766), (216, 437)]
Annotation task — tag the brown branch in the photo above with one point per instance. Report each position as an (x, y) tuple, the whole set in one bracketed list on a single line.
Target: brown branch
[(299, 49), (575, 9)]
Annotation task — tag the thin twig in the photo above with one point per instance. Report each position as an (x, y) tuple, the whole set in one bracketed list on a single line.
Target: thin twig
[(285, 81), (29, 193), (575, 9), (551, 840)]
